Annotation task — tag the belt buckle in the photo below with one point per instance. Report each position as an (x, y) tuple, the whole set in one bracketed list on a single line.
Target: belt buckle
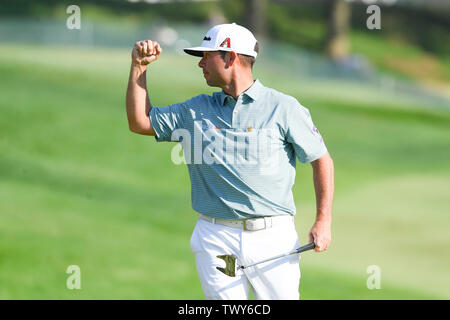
[(254, 224)]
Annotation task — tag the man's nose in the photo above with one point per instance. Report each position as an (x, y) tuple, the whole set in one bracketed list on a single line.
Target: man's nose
[(201, 63)]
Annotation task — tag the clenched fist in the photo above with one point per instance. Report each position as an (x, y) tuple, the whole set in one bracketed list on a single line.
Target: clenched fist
[(145, 52)]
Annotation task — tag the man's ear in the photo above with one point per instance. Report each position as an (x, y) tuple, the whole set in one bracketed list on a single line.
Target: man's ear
[(231, 59)]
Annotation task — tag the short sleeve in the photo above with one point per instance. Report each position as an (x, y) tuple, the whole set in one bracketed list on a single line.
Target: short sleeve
[(303, 134), (165, 120)]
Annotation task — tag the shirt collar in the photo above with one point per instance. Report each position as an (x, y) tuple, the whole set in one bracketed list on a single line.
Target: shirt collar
[(253, 92), (222, 96)]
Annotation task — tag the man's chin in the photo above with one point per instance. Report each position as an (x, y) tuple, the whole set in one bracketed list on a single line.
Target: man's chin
[(212, 83)]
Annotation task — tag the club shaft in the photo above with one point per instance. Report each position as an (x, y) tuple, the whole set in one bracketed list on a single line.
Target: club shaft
[(309, 246)]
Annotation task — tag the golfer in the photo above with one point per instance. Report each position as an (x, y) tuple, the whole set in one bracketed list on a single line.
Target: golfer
[(240, 145)]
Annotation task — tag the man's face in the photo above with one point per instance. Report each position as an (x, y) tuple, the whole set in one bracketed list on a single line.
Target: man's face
[(214, 69)]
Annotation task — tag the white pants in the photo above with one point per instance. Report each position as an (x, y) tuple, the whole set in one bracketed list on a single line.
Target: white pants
[(277, 279)]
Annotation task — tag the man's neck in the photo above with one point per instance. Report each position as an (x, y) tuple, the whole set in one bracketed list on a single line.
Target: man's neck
[(237, 86)]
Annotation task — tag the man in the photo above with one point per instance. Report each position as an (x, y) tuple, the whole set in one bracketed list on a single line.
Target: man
[(240, 146)]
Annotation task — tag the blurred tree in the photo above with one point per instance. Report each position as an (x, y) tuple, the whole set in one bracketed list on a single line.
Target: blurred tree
[(312, 24), (336, 42), (255, 16)]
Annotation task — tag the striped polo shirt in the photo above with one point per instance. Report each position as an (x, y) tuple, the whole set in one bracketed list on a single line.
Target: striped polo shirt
[(241, 155)]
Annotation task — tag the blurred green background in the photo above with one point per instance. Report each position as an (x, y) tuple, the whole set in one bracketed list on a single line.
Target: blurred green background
[(78, 188)]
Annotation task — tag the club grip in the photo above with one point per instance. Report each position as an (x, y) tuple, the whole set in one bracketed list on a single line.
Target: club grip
[(306, 247)]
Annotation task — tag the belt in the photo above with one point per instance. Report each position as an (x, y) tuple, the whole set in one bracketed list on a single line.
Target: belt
[(253, 224)]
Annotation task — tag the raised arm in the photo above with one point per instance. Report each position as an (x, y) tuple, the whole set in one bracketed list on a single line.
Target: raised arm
[(323, 175), (138, 103)]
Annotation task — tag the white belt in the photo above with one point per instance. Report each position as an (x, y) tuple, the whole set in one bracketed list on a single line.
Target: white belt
[(253, 224)]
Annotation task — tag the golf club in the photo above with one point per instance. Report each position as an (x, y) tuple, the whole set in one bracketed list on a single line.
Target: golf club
[(230, 260)]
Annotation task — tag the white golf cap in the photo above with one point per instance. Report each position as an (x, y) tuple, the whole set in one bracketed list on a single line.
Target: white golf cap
[(226, 37)]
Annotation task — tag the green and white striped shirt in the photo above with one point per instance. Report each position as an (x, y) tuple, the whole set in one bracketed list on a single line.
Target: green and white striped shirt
[(241, 155)]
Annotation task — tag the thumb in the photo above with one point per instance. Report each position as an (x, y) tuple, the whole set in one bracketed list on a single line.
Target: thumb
[(149, 59), (313, 238)]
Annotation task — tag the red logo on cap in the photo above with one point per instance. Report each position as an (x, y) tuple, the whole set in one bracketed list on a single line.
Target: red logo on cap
[(226, 43)]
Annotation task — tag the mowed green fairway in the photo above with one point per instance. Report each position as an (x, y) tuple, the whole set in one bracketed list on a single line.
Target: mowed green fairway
[(78, 188)]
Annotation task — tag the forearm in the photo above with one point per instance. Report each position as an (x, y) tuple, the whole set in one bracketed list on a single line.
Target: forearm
[(323, 175), (137, 100)]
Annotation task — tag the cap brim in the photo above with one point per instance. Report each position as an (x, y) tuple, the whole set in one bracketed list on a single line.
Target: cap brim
[(198, 51)]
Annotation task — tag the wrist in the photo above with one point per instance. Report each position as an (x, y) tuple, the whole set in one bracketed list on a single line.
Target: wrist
[(138, 67), (323, 218)]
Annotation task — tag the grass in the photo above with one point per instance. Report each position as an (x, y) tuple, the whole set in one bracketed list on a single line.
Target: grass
[(77, 188), (394, 55)]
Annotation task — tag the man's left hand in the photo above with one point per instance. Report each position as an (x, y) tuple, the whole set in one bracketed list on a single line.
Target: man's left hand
[(320, 234)]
